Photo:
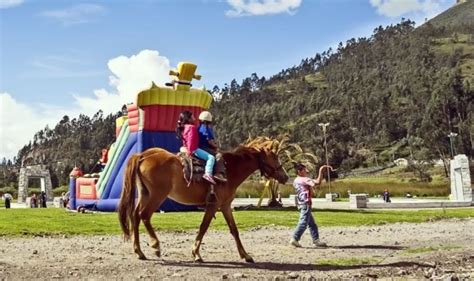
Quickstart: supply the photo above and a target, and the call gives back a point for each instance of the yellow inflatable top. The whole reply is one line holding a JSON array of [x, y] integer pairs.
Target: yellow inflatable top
[[180, 92]]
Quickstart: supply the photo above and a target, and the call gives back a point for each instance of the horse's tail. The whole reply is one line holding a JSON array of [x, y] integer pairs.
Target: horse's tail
[[127, 198]]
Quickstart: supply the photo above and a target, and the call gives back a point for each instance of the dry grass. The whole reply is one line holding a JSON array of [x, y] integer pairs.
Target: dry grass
[[397, 189]]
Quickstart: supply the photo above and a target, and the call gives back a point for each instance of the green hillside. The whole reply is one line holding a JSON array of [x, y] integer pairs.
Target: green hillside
[[395, 94], [461, 44], [457, 15], [453, 35]]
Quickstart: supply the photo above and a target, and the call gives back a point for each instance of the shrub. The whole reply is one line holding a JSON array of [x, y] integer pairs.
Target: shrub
[[9, 189], [60, 190]]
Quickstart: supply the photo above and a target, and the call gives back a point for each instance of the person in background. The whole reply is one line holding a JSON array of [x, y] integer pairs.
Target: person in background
[[34, 201], [279, 199], [65, 198], [103, 159], [8, 198], [386, 196], [303, 186], [43, 199]]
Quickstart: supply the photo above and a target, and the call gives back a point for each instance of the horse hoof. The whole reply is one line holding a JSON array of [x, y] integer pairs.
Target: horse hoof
[[142, 257], [249, 259], [158, 253], [200, 260]]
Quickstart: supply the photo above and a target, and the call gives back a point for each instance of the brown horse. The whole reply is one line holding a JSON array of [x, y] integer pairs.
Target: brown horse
[[158, 174]]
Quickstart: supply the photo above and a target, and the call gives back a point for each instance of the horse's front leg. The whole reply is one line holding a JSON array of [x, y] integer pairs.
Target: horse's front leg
[[229, 218], [206, 221]]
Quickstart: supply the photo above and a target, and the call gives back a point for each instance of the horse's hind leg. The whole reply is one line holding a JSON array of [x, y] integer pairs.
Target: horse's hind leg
[[146, 215], [210, 212], [229, 218], [136, 234]]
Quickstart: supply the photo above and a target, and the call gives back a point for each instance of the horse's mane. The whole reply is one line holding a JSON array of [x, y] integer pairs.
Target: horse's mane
[[252, 146], [263, 143]]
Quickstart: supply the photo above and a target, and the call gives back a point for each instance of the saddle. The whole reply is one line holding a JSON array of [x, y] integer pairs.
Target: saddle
[[193, 167]]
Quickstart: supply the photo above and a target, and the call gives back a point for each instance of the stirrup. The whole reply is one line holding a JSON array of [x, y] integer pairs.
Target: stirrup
[[220, 178]]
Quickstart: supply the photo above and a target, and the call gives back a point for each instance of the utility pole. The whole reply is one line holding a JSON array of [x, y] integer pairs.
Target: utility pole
[[324, 126]]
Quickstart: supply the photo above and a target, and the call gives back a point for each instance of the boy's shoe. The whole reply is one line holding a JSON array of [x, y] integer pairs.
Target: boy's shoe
[[295, 243], [209, 178], [220, 177], [319, 243]]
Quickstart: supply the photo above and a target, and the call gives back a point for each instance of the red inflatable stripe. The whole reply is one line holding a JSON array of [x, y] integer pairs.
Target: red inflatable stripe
[[164, 117], [131, 107], [133, 117]]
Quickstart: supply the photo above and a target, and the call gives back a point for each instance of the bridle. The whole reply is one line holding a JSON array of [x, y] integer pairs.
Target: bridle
[[267, 170]]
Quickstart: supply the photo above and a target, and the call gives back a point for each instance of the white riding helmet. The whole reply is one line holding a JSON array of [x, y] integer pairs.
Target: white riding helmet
[[205, 116]]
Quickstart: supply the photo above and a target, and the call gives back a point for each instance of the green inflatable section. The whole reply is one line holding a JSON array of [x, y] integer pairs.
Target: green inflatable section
[[118, 146]]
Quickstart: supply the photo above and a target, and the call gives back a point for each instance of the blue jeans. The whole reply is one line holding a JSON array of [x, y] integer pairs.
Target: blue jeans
[[306, 220], [209, 158]]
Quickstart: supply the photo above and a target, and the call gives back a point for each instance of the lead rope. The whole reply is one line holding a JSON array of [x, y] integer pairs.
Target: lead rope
[[190, 161], [212, 197]]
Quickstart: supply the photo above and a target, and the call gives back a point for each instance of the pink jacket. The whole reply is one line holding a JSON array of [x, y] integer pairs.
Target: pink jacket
[[190, 138]]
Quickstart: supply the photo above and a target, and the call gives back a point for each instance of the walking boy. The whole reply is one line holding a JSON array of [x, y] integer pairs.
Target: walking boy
[[303, 187]]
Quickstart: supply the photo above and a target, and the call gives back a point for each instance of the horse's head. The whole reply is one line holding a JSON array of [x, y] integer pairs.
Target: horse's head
[[270, 166], [268, 162]]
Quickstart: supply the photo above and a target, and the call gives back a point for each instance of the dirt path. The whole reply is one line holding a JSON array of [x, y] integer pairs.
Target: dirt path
[[435, 249]]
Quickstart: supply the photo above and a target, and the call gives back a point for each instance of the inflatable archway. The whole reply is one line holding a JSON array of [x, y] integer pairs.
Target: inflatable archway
[[150, 122]]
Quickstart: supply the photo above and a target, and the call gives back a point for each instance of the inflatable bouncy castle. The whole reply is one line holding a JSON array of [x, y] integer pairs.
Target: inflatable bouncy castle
[[150, 122]]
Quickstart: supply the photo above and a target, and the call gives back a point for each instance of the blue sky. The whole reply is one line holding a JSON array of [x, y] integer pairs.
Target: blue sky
[[69, 57]]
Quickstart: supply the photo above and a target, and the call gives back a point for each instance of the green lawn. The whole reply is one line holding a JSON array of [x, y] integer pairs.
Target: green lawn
[[15, 222]]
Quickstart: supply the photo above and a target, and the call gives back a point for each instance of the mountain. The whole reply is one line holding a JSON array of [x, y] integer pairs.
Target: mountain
[[460, 14]]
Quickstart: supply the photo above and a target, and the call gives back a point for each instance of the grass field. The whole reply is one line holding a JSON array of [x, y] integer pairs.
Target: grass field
[[17, 222]]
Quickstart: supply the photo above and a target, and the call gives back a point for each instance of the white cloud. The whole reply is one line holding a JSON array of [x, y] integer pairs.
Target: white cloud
[[4, 4], [19, 121], [261, 7], [130, 76], [77, 14], [395, 8]]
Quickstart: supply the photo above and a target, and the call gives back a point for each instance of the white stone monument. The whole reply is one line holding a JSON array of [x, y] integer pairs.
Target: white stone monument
[[34, 171], [460, 179]]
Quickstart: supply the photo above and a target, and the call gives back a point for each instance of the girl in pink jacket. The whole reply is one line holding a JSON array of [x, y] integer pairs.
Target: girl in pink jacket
[[188, 133]]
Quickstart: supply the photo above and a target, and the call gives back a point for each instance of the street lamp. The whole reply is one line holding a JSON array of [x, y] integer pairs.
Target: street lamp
[[324, 126], [451, 136]]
